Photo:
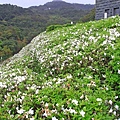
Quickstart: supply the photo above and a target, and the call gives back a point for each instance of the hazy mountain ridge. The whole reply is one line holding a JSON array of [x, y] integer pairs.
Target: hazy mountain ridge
[[61, 4], [67, 73]]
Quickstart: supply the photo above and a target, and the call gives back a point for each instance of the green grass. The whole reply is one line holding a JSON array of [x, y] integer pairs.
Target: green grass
[[69, 73]]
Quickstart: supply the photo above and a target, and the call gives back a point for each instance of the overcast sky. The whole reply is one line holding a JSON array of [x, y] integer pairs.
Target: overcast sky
[[28, 3]]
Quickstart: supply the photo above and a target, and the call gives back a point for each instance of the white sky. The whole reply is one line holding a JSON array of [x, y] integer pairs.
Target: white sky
[[28, 3]]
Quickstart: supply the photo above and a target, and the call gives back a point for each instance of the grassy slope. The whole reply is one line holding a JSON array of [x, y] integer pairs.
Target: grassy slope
[[71, 73]]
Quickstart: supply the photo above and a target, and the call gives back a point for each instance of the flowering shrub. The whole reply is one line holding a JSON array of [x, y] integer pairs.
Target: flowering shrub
[[70, 73]]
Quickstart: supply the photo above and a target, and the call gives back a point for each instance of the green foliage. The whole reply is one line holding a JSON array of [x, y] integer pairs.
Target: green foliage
[[89, 17], [53, 27], [69, 73]]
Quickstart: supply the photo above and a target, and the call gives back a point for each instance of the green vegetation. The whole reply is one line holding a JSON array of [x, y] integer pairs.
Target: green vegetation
[[19, 25], [70, 73], [89, 17], [53, 27]]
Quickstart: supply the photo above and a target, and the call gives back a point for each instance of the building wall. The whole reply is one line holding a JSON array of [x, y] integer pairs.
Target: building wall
[[110, 7]]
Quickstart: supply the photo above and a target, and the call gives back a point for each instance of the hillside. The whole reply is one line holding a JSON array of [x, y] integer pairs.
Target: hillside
[[69, 73], [55, 5], [19, 25], [61, 9], [17, 28]]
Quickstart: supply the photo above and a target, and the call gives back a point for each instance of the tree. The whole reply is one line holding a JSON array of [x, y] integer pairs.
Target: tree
[[89, 17]]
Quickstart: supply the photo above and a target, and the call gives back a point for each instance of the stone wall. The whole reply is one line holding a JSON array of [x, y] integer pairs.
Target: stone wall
[[110, 7]]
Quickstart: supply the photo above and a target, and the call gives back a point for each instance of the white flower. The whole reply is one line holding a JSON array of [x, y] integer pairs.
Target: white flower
[[117, 107], [82, 96], [106, 88], [2, 85], [114, 113], [12, 74], [45, 114], [31, 111], [104, 76], [110, 111], [86, 98], [18, 99], [75, 102], [69, 76], [105, 54], [37, 91], [31, 118], [54, 111], [54, 118], [20, 111], [72, 111], [104, 42], [22, 97], [112, 56], [57, 104], [116, 97], [99, 99], [110, 102], [118, 71], [26, 115], [89, 77], [82, 113], [92, 83], [46, 105]]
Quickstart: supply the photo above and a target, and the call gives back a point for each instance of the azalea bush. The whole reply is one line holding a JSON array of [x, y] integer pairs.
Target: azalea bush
[[53, 27], [70, 73]]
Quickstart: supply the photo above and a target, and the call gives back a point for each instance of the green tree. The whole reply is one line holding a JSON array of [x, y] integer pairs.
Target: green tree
[[89, 17]]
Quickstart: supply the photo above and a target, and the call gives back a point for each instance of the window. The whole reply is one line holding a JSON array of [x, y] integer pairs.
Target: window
[[116, 11]]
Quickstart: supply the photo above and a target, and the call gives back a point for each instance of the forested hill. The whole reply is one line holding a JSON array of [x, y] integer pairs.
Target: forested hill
[[19, 25], [69, 73], [55, 5], [8, 12]]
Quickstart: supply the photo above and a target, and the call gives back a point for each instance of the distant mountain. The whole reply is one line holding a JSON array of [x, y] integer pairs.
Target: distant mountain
[[73, 12], [57, 0], [19, 25], [8, 11], [59, 4]]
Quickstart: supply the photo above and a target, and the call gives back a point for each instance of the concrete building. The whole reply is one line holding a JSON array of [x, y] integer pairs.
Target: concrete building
[[107, 8]]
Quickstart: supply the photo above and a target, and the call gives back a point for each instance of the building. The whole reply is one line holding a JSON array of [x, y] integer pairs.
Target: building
[[107, 8]]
